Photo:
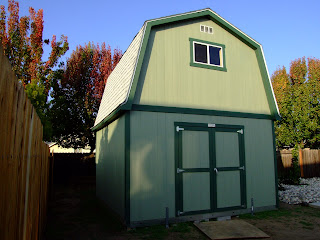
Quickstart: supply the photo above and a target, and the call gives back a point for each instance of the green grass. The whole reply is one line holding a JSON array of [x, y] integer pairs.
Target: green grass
[[268, 214], [154, 232], [306, 224], [181, 227]]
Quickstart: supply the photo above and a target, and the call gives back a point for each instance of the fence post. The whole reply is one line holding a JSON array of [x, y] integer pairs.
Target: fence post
[[301, 162]]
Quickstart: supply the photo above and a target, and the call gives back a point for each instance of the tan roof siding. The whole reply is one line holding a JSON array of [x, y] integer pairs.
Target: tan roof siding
[[119, 81]]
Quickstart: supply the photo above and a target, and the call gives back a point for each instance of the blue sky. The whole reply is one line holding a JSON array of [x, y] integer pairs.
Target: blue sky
[[286, 29]]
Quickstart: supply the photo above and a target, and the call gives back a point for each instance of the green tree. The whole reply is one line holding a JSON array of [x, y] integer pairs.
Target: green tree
[[77, 93], [298, 98], [22, 41]]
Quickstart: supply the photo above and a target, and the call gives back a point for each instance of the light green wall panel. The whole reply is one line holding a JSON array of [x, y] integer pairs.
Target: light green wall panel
[[167, 79], [195, 149], [110, 159], [228, 189], [227, 149], [152, 161], [196, 184]]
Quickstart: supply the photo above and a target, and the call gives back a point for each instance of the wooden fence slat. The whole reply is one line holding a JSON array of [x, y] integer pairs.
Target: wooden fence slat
[[24, 161]]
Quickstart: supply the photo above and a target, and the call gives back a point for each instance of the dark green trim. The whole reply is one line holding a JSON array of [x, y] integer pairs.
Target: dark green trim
[[127, 168], [203, 126], [275, 165], [149, 108], [208, 66], [207, 42], [194, 170], [196, 212], [109, 119], [179, 164], [213, 177], [139, 65], [226, 169], [243, 191], [230, 208], [178, 181], [267, 85], [189, 126], [243, 174]]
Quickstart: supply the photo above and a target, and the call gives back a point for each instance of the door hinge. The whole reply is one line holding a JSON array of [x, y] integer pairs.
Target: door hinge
[[211, 125], [179, 170], [179, 213], [241, 168], [179, 129], [240, 131]]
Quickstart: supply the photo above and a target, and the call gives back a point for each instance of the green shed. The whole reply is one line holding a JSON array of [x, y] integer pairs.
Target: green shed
[[186, 123]]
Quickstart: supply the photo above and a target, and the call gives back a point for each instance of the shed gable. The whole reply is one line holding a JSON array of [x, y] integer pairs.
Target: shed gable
[[122, 87], [169, 78]]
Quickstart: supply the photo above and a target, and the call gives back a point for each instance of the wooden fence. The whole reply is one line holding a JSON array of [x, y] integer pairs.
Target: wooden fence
[[24, 162], [309, 161]]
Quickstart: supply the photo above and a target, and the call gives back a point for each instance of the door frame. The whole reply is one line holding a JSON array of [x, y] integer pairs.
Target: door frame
[[211, 128]]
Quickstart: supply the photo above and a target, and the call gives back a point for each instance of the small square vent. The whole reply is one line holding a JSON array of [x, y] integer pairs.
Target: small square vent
[[206, 29]]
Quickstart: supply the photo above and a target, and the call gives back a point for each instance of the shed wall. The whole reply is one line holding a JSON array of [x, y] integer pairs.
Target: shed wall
[[110, 165], [152, 161], [167, 79]]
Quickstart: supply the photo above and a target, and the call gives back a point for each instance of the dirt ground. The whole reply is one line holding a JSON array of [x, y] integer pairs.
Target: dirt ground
[[75, 213]]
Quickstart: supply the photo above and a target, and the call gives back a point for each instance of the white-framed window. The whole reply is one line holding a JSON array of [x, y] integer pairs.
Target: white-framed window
[[207, 54]]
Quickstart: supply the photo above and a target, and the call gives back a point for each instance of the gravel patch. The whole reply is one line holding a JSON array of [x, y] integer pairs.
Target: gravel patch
[[307, 192]]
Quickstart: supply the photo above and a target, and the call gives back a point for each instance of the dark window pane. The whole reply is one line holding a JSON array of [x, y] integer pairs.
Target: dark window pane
[[200, 53], [214, 55]]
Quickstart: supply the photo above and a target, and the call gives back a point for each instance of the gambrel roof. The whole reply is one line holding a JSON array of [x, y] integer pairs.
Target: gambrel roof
[[122, 82], [119, 82]]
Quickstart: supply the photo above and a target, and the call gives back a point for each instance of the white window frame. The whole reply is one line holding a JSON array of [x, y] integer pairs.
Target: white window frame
[[208, 54]]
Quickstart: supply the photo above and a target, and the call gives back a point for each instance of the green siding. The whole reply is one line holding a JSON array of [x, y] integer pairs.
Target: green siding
[[228, 189], [152, 160], [110, 165], [195, 145], [167, 79], [196, 184], [227, 147]]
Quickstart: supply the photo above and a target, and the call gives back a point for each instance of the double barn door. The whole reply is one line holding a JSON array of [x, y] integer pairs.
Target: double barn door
[[210, 168]]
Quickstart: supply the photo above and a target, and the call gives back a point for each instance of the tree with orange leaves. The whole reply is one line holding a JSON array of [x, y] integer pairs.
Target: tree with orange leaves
[[22, 42], [77, 93]]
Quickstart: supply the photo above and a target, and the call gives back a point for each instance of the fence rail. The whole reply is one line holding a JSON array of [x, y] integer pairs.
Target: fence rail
[[309, 161], [24, 162]]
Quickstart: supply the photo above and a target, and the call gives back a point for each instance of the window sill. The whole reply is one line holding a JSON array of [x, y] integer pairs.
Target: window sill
[[224, 69]]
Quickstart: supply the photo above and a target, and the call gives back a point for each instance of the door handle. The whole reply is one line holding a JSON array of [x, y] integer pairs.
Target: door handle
[[179, 170], [216, 170]]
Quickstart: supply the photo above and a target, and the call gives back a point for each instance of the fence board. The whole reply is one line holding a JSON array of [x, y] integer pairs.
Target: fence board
[[309, 162], [24, 162]]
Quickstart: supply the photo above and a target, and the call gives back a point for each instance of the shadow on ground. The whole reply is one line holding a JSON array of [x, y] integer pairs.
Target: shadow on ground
[[74, 212]]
